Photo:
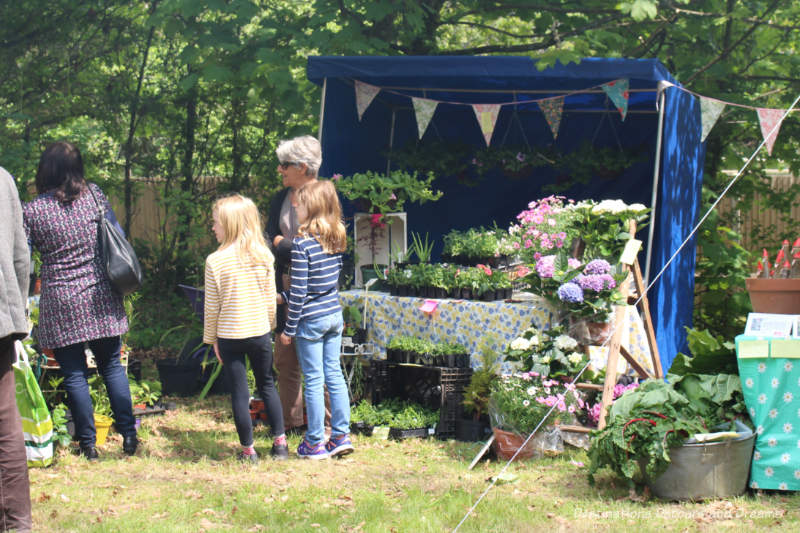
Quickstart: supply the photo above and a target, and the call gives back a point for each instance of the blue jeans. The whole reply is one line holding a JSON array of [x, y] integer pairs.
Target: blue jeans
[[319, 346], [73, 367]]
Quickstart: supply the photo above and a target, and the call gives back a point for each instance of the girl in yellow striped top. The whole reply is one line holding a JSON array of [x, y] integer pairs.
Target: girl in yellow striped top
[[240, 315]]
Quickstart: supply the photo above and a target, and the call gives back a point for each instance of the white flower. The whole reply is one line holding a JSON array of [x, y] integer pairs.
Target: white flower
[[788, 397], [526, 403], [545, 359], [520, 343], [762, 398], [787, 428], [797, 474], [787, 366], [565, 342], [762, 367], [753, 411], [775, 383], [785, 458], [749, 383], [783, 486], [756, 455], [753, 485], [610, 206], [531, 391], [575, 358], [760, 430], [769, 471], [637, 207], [772, 442], [534, 340], [773, 413]]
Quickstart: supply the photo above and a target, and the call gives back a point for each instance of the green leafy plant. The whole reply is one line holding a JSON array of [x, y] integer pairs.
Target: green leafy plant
[[144, 392], [549, 353], [479, 389], [387, 193], [366, 413], [61, 436], [422, 249], [99, 394]]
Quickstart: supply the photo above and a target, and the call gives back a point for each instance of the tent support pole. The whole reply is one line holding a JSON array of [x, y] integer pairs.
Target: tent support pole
[[654, 197], [322, 110], [391, 142]]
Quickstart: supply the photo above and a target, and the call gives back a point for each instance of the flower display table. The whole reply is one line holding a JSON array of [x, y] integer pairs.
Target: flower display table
[[472, 323]]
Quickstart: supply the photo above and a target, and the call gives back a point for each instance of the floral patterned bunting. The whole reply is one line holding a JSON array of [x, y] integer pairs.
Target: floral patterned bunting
[[365, 93], [552, 109], [487, 118], [769, 119], [710, 110], [424, 109], [617, 91]]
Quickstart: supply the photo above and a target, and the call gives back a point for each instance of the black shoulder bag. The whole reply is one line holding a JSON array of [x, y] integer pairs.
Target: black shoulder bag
[[117, 255]]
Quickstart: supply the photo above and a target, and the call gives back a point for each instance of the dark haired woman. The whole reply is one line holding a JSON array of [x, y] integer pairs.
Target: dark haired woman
[[77, 305]]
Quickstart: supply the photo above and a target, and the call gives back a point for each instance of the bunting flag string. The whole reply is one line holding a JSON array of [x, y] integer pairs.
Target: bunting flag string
[[365, 93], [769, 120], [617, 91], [552, 109], [424, 110], [487, 117], [710, 110]]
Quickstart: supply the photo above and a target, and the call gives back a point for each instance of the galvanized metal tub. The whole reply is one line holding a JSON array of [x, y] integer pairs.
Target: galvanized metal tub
[[708, 470]]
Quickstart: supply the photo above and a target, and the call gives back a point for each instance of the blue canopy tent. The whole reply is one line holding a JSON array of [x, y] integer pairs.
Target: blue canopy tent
[[660, 120]]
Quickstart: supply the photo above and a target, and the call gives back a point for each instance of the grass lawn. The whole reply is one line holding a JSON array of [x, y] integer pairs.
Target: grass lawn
[[186, 478]]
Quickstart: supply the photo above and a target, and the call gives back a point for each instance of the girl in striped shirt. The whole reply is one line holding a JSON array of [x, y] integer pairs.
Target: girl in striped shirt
[[240, 305], [314, 318]]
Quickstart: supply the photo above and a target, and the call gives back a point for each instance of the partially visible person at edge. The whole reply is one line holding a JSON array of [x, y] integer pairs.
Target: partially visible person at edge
[[299, 162], [77, 304], [240, 316], [15, 497], [314, 319]]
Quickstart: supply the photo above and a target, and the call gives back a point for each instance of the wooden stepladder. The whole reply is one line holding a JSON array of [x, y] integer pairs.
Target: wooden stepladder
[[615, 348]]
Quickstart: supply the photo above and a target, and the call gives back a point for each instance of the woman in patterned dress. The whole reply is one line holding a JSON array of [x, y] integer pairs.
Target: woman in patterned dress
[[77, 304]]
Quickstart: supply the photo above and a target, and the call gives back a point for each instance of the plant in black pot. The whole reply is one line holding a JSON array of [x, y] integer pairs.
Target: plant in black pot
[[476, 398]]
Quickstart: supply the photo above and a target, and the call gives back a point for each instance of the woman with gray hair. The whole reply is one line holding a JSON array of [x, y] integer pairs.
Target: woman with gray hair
[[299, 160]]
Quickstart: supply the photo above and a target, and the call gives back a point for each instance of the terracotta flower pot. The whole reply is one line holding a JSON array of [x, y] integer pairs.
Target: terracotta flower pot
[[776, 295]]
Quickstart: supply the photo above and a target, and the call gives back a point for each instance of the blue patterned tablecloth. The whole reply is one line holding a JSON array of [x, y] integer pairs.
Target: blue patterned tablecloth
[[475, 324], [770, 374]]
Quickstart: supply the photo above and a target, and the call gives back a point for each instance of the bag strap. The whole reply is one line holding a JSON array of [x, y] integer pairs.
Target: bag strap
[[21, 352], [101, 210]]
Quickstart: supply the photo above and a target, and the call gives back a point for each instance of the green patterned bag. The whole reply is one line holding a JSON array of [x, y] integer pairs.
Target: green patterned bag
[[37, 426]]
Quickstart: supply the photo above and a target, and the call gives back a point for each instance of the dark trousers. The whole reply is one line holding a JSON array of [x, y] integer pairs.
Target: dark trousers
[[15, 498], [72, 360], [259, 352]]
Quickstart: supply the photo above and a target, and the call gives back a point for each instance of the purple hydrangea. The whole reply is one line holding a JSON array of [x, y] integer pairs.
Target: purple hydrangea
[[608, 281], [545, 266], [591, 282], [570, 292], [597, 266], [572, 262]]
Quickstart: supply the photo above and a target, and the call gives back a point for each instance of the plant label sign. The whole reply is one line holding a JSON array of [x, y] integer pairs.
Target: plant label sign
[[769, 325]]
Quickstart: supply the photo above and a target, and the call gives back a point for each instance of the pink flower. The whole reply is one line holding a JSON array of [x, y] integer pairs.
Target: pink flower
[[393, 197], [528, 243], [516, 245], [375, 220], [336, 177]]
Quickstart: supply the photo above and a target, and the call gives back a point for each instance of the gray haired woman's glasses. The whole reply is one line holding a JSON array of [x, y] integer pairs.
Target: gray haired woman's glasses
[[286, 164]]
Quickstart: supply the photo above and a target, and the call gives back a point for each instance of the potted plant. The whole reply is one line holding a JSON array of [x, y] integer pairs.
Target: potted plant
[[364, 417], [412, 421], [551, 353], [519, 403], [353, 326], [476, 400], [775, 287], [377, 193]]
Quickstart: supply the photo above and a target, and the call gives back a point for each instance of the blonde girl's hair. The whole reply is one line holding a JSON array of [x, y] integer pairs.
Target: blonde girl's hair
[[323, 215], [238, 216]]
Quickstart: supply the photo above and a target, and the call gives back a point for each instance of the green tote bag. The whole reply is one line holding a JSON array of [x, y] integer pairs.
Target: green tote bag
[[37, 426]]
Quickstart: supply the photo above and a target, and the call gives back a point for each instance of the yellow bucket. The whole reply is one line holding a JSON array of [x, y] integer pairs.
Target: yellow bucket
[[102, 424]]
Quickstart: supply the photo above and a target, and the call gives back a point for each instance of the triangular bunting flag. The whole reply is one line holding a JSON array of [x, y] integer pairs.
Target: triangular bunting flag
[[487, 118], [552, 109], [618, 92], [768, 119], [365, 93], [710, 110], [424, 110]]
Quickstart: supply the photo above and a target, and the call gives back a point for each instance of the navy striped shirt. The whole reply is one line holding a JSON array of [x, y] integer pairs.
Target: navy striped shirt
[[315, 275]]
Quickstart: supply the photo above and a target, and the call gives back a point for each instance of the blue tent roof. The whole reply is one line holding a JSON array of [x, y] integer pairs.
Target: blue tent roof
[[350, 145]]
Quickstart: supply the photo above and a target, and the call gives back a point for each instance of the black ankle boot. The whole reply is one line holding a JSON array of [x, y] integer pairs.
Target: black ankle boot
[[129, 444], [89, 452]]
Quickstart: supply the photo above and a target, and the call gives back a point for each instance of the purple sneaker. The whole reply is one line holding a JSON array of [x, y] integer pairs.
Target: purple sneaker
[[307, 451], [338, 446]]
